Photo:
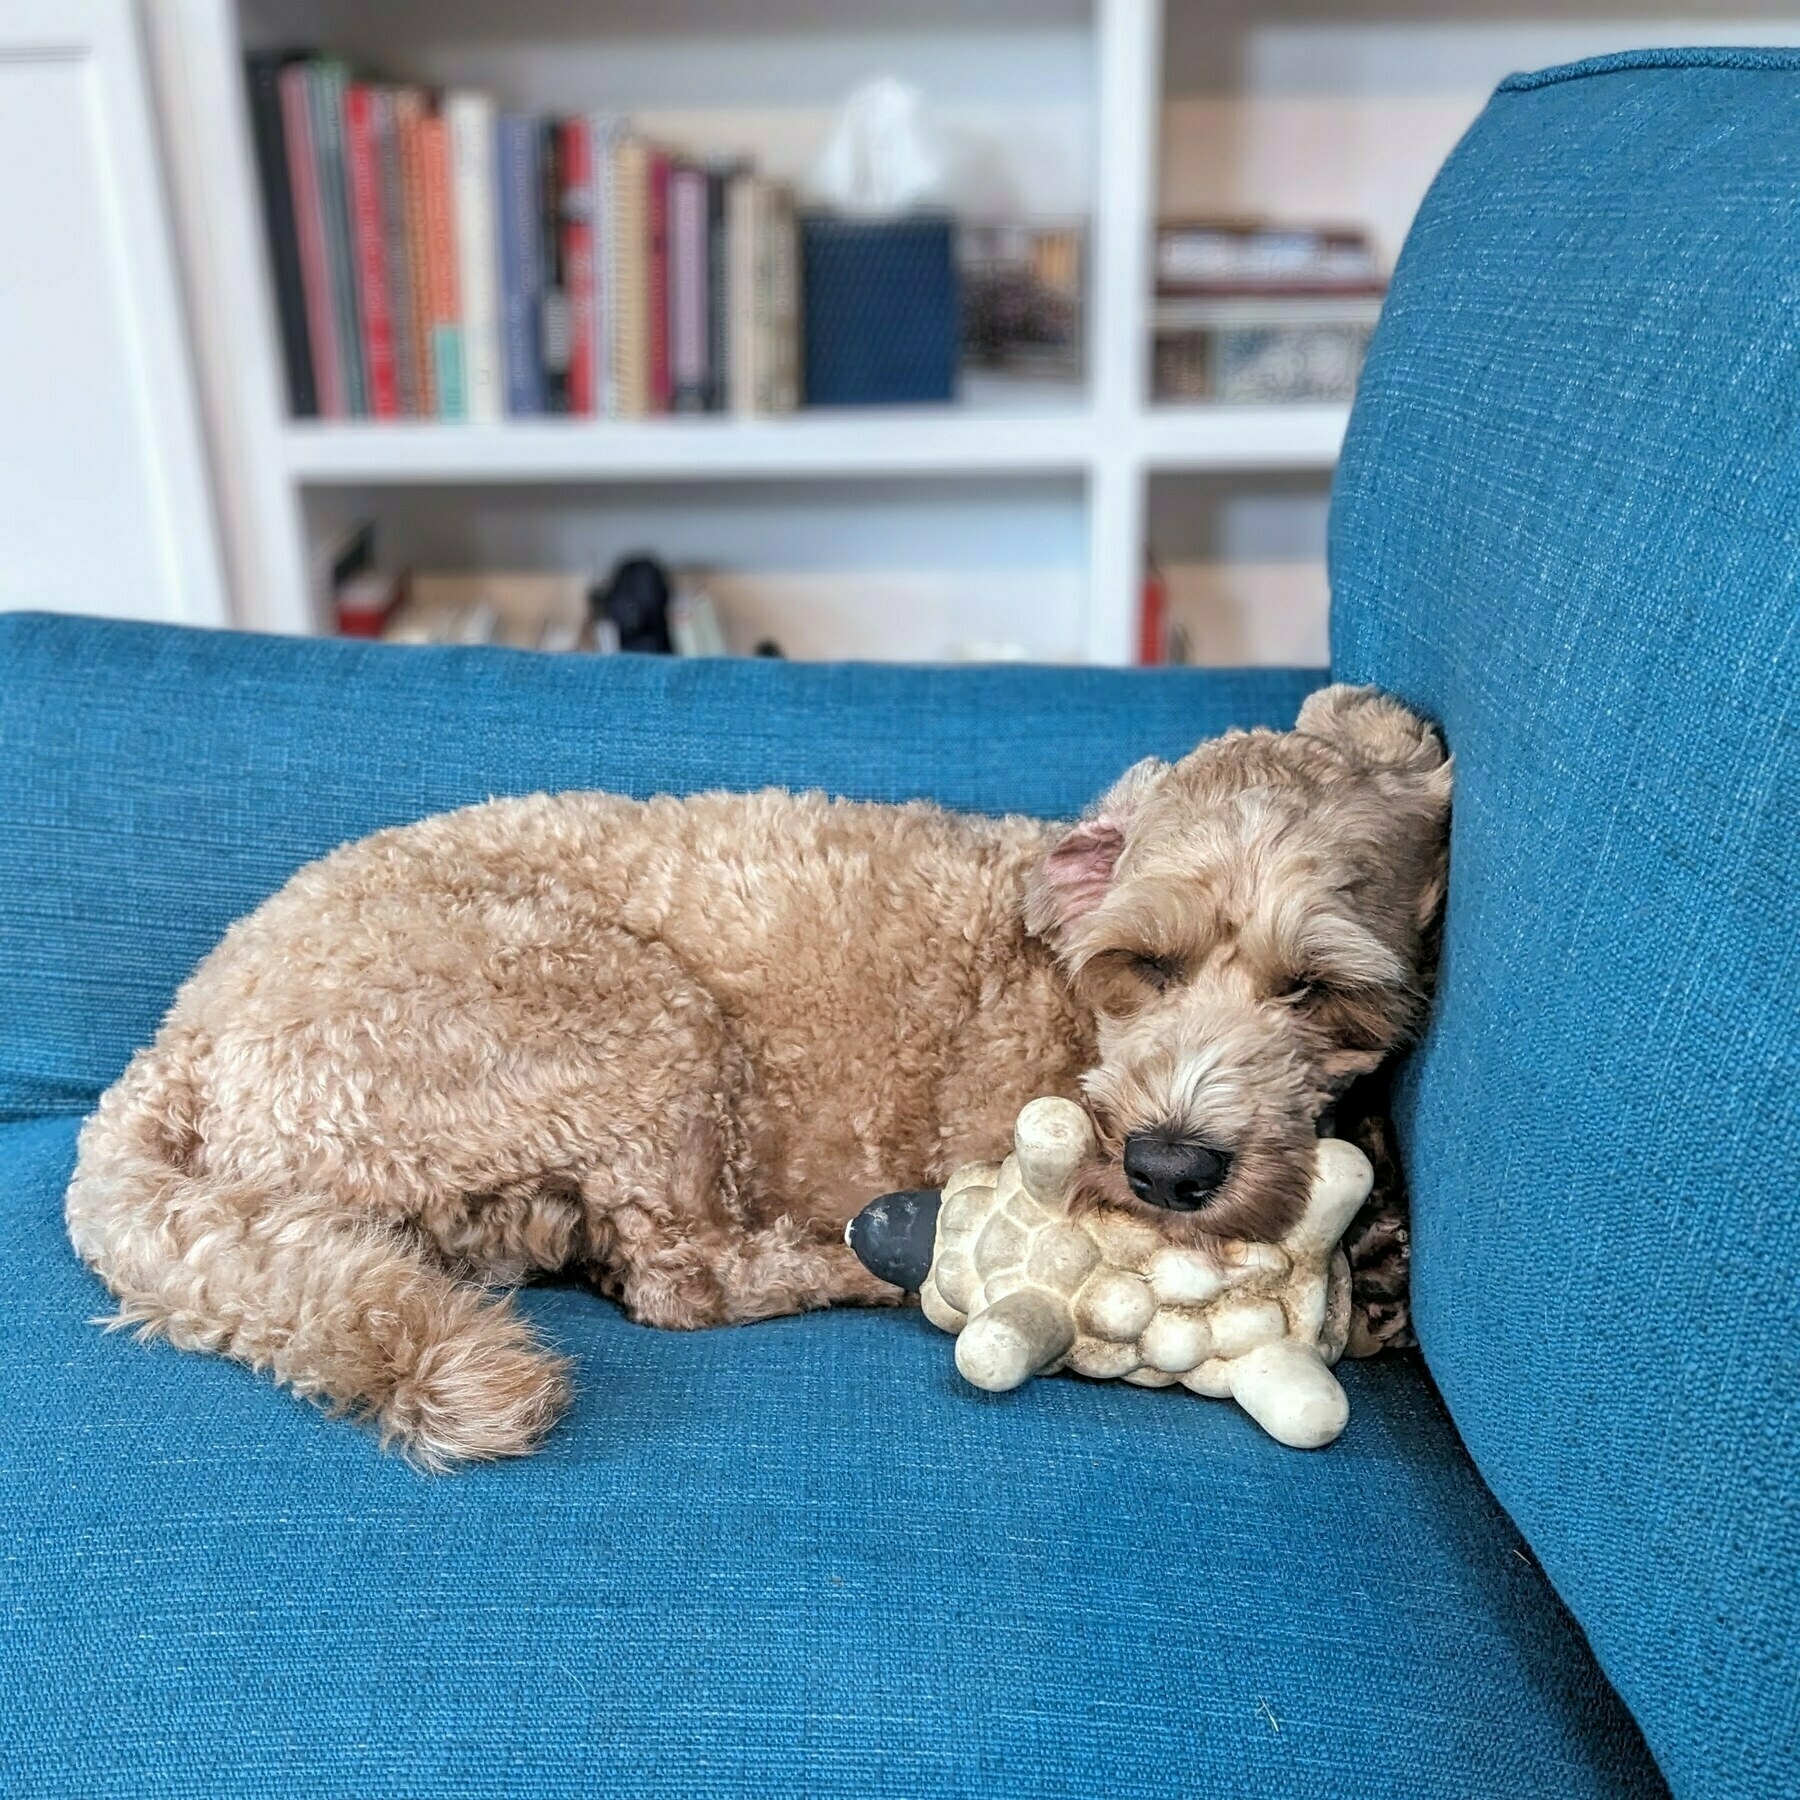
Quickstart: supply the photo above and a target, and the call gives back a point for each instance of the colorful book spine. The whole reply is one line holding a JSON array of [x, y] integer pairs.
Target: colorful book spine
[[575, 164], [267, 128], [442, 310], [295, 84], [656, 255], [376, 318], [628, 279], [412, 182], [390, 109], [603, 134], [471, 121], [718, 349], [325, 92], [779, 321], [521, 280], [553, 303], [687, 288], [743, 207]]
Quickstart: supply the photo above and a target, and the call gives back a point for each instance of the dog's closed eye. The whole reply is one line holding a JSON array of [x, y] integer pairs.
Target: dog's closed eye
[[1158, 972]]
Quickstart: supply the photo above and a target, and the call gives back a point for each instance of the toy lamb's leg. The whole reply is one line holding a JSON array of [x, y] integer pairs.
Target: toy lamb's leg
[[1290, 1393], [342, 1310], [1013, 1340]]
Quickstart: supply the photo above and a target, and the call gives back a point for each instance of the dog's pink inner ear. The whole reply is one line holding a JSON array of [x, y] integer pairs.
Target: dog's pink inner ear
[[1078, 869]]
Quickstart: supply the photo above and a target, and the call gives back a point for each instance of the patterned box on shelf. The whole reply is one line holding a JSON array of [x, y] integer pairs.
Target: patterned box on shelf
[[881, 313]]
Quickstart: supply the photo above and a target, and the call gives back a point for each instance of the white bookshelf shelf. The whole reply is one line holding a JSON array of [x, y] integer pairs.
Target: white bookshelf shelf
[[1038, 502], [1213, 438], [815, 446]]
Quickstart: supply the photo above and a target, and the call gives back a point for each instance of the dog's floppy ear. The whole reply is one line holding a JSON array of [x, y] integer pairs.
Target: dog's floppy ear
[[1394, 742], [1372, 727], [1378, 732], [1076, 869]]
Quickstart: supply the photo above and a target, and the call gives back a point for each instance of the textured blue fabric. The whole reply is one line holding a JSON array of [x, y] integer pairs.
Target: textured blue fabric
[[791, 1558], [800, 1557], [164, 782], [1567, 523]]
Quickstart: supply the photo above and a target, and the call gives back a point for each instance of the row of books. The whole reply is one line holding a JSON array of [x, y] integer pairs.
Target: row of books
[[1250, 311], [435, 258]]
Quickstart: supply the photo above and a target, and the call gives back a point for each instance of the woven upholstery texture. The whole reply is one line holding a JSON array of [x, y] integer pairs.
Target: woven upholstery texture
[[794, 1558], [1567, 524], [800, 1557]]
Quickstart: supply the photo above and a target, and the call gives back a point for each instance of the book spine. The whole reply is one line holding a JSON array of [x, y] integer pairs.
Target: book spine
[[717, 290], [440, 268], [309, 228], [412, 183], [520, 285], [629, 368], [263, 72], [371, 251], [762, 299], [687, 289], [471, 121], [783, 321], [389, 111], [741, 232], [602, 135], [657, 272], [576, 166], [325, 86], [553, 304]]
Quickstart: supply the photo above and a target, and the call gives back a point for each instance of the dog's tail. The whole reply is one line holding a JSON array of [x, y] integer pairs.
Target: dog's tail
[[343, 1310]]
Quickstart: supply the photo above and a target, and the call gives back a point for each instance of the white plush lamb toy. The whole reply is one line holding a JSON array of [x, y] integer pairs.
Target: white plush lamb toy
[[1030, 1290]]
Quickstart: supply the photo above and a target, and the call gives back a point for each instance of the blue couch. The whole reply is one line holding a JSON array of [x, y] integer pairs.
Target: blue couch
[[1554, 1555]]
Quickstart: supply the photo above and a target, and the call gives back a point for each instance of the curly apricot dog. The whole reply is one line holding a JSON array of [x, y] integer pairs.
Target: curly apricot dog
[[673, 1046]]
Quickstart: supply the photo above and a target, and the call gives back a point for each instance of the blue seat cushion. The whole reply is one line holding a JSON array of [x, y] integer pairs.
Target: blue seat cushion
[[1565, 525], [790, 1558]]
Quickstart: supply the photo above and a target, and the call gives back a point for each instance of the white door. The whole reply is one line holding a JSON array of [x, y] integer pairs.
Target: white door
[[105, 505]]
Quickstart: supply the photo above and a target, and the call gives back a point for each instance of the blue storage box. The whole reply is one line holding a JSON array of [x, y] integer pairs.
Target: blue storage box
[[882, 315]]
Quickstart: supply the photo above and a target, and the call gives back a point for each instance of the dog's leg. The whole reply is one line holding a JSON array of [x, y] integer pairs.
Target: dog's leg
[[342, 1309]]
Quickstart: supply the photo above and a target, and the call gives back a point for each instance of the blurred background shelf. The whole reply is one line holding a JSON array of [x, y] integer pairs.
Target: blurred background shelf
[[1022, 519]]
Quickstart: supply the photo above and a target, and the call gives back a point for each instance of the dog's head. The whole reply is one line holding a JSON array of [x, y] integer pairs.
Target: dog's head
[[1254, 927]]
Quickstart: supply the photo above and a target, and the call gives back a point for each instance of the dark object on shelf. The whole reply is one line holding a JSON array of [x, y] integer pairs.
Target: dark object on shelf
[[768, 648], [1022, 289], [895, 1237], [636, 601], [880, 311]]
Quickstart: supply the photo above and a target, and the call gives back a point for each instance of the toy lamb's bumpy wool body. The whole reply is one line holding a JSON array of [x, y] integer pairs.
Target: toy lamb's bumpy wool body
[[1029, 1290]]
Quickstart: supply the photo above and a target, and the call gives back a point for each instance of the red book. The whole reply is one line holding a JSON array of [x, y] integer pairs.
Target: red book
[[369, 229], [657, 242], [309, 228], [576, 165]]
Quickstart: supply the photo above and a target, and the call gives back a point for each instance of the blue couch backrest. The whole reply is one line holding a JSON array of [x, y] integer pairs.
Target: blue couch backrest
[[1567, 524], [160, 783]]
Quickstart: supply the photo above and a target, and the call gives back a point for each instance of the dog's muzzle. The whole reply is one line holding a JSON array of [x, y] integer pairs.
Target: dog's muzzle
[[1174, 1173]]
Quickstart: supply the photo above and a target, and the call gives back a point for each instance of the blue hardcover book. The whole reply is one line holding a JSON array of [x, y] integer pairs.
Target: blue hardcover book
[[518, 153]]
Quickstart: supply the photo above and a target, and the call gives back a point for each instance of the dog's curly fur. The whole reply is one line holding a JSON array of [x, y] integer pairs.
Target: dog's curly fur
[[672, 1046]]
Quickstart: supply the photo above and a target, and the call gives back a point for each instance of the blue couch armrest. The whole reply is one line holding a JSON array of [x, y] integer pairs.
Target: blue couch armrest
[[1565, 526]]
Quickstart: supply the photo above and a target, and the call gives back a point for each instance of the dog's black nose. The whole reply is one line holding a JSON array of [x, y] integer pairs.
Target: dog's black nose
[[1171, 1172]]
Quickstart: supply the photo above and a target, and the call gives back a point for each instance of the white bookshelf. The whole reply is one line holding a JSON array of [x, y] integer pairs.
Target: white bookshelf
[[1029, 508]]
